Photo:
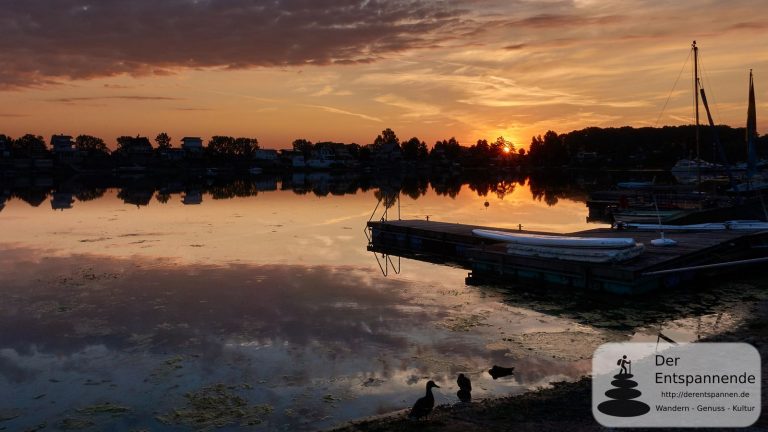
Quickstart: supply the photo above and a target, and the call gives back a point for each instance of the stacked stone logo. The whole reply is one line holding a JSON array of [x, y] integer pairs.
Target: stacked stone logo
[[622, 403]]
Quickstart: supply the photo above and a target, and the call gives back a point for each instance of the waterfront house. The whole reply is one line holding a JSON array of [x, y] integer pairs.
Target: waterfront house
[[322, 157], [266, 158], [5, 153], [192, 145], [63, 149], [61, 144], [172, 154], [266, 155], [293, 158]]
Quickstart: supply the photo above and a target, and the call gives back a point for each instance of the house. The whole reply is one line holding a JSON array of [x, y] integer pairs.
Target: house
[[5, 149], [266, 155], [293, 158], [63, 149], [192, 144], [139, 146], [62, 144], [172, 154]]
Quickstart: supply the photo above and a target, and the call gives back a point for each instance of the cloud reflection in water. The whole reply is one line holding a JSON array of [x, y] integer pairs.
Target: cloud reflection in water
[[120, 327]]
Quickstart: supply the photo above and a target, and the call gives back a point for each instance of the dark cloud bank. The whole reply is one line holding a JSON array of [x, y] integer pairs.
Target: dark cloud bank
[[45, 40]]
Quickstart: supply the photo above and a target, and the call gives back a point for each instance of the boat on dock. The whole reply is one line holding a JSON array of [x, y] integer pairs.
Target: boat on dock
[[738, 225], [489, 260], [552, 240], [569, 248], [647, 216]]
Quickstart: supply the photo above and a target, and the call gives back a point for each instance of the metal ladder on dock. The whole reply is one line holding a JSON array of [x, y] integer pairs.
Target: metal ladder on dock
[[388, 201]]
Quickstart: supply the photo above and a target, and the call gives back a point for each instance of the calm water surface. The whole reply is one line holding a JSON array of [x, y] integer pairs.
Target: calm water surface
[[276, 298]]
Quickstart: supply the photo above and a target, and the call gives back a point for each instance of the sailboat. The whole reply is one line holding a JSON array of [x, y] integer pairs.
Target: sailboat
[[686, 170], [754, 182]]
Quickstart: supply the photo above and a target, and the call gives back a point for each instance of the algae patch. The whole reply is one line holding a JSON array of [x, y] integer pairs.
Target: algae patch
[[214, 407], [9, 415], [465, 323], [105, 408], [75, 424]]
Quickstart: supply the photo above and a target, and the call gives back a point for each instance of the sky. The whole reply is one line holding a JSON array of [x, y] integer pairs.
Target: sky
[[344, 70]]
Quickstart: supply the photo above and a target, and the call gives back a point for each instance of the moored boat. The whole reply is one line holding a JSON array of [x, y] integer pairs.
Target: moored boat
[[743, 225], [555, 240], [581, 254], [647, 216]]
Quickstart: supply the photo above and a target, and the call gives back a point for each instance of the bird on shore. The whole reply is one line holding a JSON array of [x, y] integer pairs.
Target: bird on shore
[[464, 383], [499, 371], [424, 405], [465, 388]]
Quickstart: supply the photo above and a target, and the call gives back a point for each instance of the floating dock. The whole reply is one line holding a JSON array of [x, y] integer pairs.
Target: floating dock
[[696, 254]]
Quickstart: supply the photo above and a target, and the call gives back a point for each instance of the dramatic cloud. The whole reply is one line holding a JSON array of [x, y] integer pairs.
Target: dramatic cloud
[[45, 41]]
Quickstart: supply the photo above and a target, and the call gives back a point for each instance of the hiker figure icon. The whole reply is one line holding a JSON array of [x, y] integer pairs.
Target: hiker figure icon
[[623, 362]]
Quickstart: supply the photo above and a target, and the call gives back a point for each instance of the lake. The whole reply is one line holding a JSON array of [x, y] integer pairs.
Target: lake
[[139, 305]]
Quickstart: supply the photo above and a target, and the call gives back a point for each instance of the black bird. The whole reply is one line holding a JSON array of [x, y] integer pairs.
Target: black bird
[[465, 388], [498, 371], [424, 405]]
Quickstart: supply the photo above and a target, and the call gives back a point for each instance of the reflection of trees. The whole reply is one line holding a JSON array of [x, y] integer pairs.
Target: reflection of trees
[[448, 185], [33, 197], [503, 188], [235, 188], [135, 196], [388, 197], [551, 187], [89, 194], [415, 187], [548, 187], [163, 197]]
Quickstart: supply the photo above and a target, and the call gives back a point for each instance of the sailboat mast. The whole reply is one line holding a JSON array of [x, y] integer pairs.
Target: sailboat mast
[[751, 129], [696, 103]]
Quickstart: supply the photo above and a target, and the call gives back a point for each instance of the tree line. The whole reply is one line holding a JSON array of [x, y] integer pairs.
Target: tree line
[[614, 147]]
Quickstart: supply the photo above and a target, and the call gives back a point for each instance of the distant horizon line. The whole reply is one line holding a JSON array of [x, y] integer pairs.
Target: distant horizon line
[[526, 144]]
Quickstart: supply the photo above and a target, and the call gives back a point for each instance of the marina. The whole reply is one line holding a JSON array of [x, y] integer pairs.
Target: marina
[[657, 267]]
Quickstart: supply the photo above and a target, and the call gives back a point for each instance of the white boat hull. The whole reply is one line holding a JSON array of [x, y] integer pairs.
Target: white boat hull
[[554, 240], [744, 225], [593, 255]]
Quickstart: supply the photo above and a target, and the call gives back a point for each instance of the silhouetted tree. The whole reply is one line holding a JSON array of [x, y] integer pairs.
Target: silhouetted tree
[[163, 197], [227, 147], [387, 136], [244, 147], [163, 141], [449, 149], [500, 144], [411, 149], [91, 145], [303, 145], [29, 145]]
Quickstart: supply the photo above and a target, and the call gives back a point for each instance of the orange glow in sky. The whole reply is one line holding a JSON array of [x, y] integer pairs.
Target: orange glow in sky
[[345, 70]]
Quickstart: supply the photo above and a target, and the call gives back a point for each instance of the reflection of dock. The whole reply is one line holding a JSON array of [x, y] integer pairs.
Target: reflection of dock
[[657, 267]]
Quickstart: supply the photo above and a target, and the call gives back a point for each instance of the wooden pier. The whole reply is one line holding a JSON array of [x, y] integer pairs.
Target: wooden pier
[[696, 254]]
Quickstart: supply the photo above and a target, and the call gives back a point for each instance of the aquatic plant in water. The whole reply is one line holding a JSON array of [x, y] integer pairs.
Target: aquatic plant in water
[[214, 407]]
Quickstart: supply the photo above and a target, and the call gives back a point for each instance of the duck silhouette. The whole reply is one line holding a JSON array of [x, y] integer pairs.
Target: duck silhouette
[[499, 371], [465, 388], [424, 405]]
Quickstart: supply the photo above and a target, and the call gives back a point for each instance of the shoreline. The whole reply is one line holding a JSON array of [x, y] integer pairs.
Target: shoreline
[[571, 401]]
